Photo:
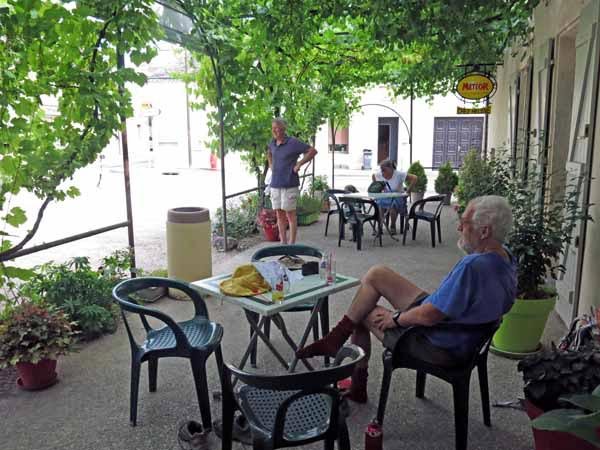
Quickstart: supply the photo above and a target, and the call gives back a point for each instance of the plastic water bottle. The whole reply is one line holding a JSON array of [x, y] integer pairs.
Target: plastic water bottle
[[374, 436], [323, 267], [331, 267]]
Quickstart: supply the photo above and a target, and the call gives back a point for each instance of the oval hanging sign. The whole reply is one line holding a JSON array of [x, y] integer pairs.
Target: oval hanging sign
[[475, 86]]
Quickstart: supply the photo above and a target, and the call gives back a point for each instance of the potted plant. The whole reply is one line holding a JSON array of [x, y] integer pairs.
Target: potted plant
[[446, 181], [80, 291], [318, 188], [418, 190], [308, 209], [541, 233], [32, 336], [267, 221], [576, 427], [479, 177], [557, 382]]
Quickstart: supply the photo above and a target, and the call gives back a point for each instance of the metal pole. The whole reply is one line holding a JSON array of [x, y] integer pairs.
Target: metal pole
[[187, 112], [485, 135], [125, 148], [76, 237], [222, 150], [332, 154], [314, 142], [410, 133]]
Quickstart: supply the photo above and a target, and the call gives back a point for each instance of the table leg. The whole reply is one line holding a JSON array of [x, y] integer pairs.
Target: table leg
[[253, 341], [313, 316], [279, 323]]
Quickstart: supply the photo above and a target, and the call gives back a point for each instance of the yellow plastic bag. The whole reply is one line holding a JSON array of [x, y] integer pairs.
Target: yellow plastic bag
[[245, 281]]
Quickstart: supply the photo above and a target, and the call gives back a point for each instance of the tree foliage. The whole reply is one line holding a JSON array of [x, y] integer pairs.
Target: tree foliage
[[62, 98], [306, 61]]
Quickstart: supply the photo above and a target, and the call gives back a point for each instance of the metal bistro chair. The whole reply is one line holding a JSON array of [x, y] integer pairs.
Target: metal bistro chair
[[290, 410], [459, 377], [357, 212], [418, 212], [332, 195], [290, 250], [194, 339]]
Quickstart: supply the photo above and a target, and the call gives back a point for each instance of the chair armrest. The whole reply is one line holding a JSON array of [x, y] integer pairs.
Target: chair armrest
[[143, 311], [445, 325]]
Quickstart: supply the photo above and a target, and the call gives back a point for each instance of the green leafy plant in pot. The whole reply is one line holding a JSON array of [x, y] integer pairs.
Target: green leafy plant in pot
[[80, 291], [308, 209], [420, 186], [581, 421], [479, 177], [446, 181], [541, 233], [562, 398], [32, 336], [318, 187]]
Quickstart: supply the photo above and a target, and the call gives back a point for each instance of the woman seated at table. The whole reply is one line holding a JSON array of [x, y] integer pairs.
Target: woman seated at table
[[394, 182]]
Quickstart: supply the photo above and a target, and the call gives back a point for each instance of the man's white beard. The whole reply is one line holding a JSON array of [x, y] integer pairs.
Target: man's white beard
[[466, 248]]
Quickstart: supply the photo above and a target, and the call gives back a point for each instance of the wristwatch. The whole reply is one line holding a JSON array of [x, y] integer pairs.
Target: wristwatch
[[395, 317]]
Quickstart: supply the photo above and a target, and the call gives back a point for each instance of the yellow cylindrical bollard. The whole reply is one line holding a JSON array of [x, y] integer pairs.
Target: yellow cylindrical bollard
[[189, 256]]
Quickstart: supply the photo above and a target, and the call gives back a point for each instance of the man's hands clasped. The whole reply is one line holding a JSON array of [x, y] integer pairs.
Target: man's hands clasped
[[383, 319]]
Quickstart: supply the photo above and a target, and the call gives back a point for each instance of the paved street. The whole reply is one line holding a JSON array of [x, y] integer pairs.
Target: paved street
[[102, 203]]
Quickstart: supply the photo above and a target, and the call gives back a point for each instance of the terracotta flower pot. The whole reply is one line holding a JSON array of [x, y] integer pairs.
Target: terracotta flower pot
[[271, 232], [213, 161], [37, 376], [554, 440]]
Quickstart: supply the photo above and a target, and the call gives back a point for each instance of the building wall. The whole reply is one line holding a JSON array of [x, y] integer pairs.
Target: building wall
[[363, 130], [556, 20]]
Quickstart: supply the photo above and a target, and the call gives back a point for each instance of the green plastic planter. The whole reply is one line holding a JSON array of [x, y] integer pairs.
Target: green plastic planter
[[307, 219], [522, 327]]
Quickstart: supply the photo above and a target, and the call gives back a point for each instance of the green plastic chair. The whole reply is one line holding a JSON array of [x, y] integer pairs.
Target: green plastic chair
[[290, 410], [194, 339], [291, 250], [458, 377]]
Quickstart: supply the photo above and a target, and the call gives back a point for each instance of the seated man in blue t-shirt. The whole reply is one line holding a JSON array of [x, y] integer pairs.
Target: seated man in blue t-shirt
[[479, 289]]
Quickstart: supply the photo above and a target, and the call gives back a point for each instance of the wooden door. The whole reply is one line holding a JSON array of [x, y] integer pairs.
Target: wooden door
[[453, 137], [383, 143], [585, 96]]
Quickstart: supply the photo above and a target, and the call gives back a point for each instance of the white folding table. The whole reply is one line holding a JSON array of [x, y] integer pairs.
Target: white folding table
[[310, 288]]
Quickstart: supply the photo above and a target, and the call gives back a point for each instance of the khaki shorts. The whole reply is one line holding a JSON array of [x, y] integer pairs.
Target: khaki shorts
[[285, 198]]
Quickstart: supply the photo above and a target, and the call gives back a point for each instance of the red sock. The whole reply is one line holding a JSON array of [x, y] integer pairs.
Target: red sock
[[330, 344]]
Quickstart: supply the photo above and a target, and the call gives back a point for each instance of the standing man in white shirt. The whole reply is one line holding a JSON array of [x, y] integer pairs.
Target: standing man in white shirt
[[394, 181]]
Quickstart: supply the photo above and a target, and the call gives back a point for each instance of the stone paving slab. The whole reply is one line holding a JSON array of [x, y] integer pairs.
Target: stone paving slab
[[88, 408]]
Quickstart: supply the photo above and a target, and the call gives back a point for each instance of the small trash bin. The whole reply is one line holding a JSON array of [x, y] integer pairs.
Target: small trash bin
[[189, 256], [367, 155]]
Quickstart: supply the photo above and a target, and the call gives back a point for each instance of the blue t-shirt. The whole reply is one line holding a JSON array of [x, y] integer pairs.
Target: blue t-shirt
[[284, 158], [480, 288]]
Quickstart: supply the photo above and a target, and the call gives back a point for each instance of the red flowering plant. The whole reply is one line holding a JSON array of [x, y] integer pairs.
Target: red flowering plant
[[31, 332], [267, 217]]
